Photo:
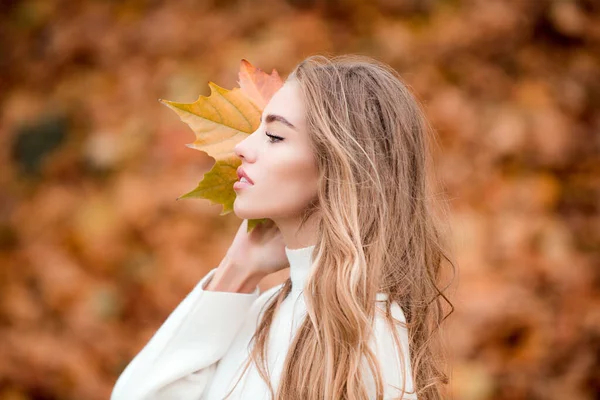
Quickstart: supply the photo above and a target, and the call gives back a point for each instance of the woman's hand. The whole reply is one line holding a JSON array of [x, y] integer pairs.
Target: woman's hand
[[260, 252]]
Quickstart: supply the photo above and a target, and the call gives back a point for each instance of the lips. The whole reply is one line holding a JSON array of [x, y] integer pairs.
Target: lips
[[242, 174]]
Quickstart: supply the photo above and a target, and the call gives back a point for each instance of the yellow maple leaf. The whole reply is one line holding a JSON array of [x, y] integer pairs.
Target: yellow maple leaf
[[220, 121]]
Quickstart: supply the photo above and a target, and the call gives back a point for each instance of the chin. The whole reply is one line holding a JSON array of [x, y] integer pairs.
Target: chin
[[246, 213]]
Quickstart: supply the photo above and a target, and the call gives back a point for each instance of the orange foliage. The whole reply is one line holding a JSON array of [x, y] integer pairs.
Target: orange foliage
[[95, 251]]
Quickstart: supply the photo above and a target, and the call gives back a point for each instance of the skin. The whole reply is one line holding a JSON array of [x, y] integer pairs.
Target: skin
[[285, 176], [284, 172]]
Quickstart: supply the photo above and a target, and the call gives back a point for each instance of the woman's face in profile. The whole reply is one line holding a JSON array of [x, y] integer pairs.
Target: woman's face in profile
[[281, 166]]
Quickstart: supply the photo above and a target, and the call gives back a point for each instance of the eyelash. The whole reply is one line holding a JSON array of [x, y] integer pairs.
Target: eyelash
[[271, 137]]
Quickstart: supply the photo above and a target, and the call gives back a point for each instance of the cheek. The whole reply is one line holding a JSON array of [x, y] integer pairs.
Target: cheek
[[299, 172], [294, 178], [290, 197], [285, 189], [297, 185]]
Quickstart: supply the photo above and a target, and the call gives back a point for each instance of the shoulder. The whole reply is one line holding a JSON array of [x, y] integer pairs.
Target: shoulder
[[394, 358], [265, 297], [270, 293], [383, 329]]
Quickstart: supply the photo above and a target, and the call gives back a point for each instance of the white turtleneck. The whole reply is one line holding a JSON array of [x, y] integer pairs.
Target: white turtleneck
[[200, 350]]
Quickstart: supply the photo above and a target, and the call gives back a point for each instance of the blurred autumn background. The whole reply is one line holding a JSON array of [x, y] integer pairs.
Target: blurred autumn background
[[95, 251]]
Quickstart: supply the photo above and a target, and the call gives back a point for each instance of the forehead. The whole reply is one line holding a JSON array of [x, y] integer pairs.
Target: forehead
[[287, 102]]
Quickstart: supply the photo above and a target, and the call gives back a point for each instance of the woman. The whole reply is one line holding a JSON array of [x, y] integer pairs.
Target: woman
[[338, 166]]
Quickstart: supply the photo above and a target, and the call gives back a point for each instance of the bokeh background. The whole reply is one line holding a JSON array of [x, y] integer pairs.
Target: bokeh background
[[95, 251]]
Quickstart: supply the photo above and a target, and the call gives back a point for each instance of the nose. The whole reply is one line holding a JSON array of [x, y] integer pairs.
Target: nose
[[240, 149], [245, 149]]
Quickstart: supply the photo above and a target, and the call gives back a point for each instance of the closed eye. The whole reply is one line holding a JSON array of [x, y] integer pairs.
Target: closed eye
[[273, 138]]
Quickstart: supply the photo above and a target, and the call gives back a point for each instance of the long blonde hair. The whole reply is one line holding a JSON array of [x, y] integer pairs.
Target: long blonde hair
[[377, 232]]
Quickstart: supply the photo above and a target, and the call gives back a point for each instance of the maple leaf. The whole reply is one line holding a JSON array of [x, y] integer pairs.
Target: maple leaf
[[220, 121]]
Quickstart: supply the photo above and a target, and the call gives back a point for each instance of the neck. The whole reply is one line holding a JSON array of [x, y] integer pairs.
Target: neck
[[296, 236]]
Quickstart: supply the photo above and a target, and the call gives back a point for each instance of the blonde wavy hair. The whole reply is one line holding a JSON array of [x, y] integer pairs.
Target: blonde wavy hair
[[377, 232]]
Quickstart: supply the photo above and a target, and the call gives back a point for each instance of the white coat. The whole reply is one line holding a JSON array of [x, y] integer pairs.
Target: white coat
[[199, 350]]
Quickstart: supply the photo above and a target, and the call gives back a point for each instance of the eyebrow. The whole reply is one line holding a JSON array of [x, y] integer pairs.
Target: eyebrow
[[278, 118]]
